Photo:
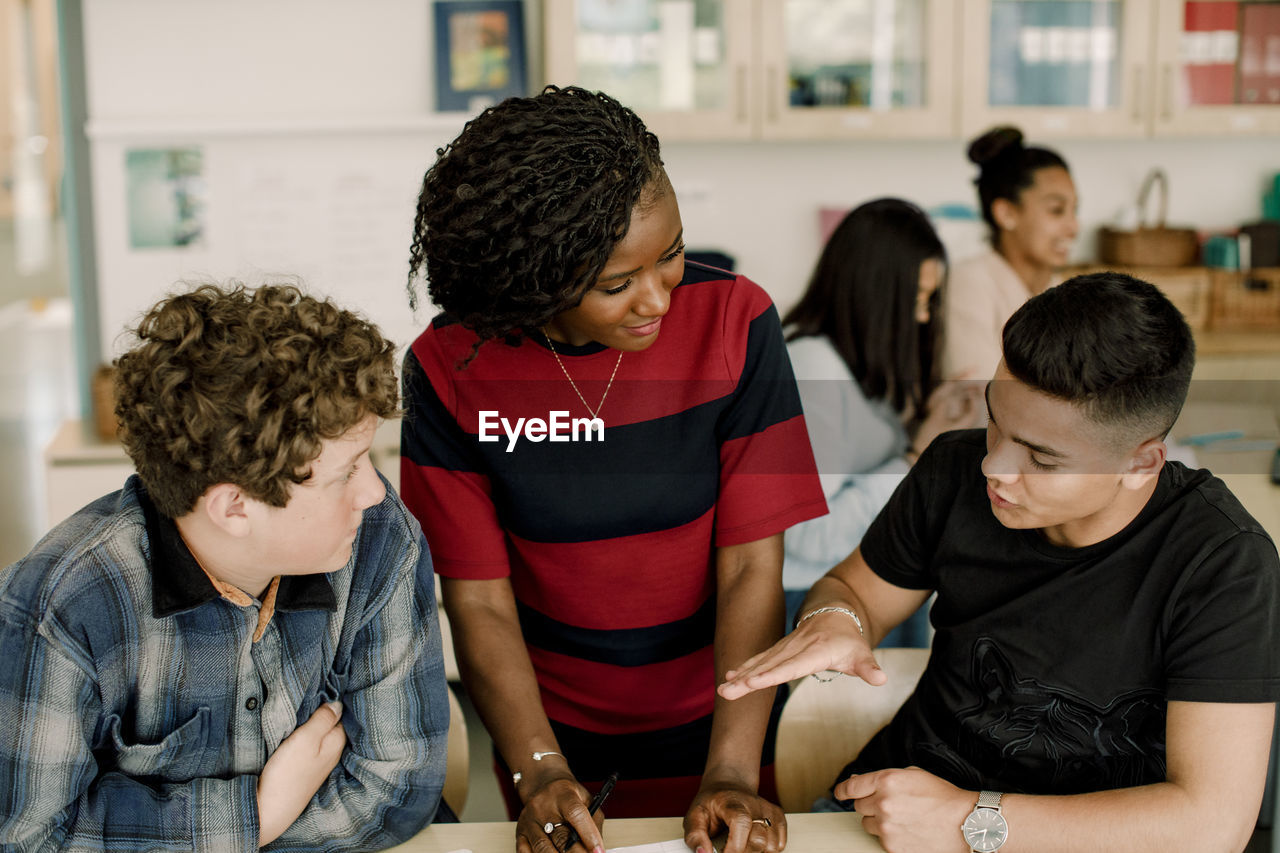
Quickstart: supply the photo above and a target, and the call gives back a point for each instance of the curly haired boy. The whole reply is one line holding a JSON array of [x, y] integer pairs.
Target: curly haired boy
[[239, 647]]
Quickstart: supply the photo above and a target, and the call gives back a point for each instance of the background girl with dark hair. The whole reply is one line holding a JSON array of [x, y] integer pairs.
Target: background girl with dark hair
[[1029, 201], [598, 590], [862, 340]]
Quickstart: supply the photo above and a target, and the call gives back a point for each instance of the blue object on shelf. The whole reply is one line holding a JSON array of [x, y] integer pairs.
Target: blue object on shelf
[[1271, 200], [1243, 446], [954, 210], [1222, 251], [1210, 437]]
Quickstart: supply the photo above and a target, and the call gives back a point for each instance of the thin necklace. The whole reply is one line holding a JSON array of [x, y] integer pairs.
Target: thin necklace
[[595, 413]]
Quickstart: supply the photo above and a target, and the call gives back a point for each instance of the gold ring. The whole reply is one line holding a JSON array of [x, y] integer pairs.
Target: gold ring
[[550, 827], [763, 820]]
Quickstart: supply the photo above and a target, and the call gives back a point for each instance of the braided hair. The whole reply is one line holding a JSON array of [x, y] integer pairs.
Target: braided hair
[[519, 215]]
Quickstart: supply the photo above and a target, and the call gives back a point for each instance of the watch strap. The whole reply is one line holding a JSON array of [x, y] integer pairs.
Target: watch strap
[[986, 800]]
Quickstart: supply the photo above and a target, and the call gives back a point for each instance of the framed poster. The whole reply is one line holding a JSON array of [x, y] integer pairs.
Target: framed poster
[[165, 197], [480, 55]]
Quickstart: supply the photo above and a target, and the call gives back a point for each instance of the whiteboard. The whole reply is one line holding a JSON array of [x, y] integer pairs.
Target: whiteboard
[[332, 208], [315, 122]]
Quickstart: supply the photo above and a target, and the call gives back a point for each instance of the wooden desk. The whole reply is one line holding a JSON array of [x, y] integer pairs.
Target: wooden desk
[[79, 467], [806, 833], [1257, 342], [1246, 473]]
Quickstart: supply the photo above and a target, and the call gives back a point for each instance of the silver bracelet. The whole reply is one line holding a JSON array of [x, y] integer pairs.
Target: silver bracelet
[[847, 612], [537, 756]]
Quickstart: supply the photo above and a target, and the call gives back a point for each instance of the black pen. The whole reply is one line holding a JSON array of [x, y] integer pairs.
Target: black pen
[[596, 802]]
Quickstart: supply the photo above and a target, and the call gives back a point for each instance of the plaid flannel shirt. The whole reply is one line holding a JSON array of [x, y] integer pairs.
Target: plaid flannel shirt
[[137, 708]]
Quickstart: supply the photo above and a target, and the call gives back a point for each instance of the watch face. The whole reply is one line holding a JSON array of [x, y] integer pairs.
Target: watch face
[[985, 830]]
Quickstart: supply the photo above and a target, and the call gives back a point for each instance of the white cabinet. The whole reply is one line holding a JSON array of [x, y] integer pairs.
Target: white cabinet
[[80, 468], [1057, 67], [832, 69], [775, 69], [1217, 68], [857, 68], [685, 66]]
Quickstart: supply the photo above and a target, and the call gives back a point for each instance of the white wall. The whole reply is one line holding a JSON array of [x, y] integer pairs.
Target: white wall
[[759, 201], [256, 58], [315, 119]]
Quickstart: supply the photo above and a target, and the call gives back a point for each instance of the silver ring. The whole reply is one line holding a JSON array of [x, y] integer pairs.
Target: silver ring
[[763, 820], [550, 827]]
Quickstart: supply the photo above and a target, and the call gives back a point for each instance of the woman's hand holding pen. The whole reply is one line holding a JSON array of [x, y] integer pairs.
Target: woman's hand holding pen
[[825, 642], [555, 798], [754, 824]]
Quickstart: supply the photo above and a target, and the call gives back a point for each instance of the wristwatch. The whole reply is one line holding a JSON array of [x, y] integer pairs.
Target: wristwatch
[[985, 829]]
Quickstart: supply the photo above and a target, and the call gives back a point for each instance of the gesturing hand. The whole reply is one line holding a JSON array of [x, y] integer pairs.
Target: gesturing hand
[[558, 801], [828, 641], [755, 825], [297, 769]]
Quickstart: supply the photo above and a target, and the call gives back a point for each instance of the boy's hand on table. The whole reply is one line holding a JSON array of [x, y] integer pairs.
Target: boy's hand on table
[[909, 809], [297, 769]]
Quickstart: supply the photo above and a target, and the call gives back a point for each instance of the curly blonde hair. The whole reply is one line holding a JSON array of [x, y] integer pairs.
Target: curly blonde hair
[[237, 385]]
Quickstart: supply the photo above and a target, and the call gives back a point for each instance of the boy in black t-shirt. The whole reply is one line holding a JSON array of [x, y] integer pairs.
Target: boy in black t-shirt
[[1106, 620]]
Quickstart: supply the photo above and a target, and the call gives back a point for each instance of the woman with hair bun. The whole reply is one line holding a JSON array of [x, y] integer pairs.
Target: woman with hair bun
[[600, 578], [1029, 202]]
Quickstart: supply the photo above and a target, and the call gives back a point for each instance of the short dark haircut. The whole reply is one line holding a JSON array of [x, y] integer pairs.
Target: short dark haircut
[[1007, 167], [518, 216], [1110, 343], [862, 298], [231, 385]]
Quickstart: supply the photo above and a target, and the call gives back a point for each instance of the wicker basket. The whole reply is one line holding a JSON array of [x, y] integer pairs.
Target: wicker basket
[[1150, 245], [102, 392], [1246, 300], [1190, 289]]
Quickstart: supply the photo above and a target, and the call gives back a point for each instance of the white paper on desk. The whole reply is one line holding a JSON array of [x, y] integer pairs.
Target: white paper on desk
[[677, 846]]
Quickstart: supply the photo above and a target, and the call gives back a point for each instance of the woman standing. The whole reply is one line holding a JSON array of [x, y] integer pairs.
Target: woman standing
[[1029, 202], [604, 444], [862, 340]]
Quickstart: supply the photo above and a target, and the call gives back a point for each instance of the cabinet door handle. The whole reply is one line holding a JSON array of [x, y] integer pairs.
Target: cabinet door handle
[[1137, 96], [742, 92], [1168, 91], [771, 94]]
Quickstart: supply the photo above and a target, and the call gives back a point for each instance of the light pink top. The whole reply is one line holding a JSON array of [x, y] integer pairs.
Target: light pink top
[[982, 293]]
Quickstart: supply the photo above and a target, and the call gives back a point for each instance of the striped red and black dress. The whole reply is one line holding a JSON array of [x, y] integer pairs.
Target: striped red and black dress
[[609, 543]]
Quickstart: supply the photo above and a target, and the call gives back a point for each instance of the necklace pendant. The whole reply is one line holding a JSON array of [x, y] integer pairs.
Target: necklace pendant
[[595, 413]]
